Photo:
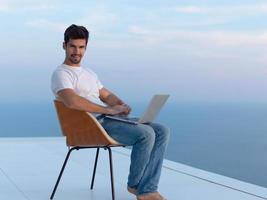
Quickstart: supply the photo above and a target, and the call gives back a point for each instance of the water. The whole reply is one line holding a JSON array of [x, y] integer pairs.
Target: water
[[228, 139]]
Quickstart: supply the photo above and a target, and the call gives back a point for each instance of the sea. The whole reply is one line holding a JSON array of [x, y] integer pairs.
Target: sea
[[225, 138]]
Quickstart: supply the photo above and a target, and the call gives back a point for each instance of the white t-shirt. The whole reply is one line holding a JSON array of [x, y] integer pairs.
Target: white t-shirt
[[84, 82]]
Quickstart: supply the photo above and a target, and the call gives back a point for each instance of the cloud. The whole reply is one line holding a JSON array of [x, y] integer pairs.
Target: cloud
[[236, 10], [191, 9], [95, 19], [38, 7], [98, 18], [25, 6], [4, 7], [224, 38], [48, 25], [138, 30], [220, 38]]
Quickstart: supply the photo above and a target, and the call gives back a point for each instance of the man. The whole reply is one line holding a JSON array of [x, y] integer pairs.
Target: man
[[79, 88]]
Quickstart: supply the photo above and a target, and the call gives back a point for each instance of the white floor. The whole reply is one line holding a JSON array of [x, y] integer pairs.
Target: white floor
[[29, 168]]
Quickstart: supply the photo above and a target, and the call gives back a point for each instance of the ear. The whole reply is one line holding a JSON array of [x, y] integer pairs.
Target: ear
[[64, 45]]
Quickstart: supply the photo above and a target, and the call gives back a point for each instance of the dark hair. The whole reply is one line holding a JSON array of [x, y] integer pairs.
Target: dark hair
[[76, 32]]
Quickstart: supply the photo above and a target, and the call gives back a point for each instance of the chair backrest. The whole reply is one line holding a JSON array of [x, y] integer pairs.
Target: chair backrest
[[81, 128]]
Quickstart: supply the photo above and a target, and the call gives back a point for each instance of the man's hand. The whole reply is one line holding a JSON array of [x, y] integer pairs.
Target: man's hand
[[120, 110], [128, 109]]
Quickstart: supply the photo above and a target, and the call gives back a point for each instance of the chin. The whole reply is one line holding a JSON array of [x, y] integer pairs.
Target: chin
[[75, 61]]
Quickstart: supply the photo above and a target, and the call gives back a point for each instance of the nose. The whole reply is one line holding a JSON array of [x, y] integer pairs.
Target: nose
[[76, 50]]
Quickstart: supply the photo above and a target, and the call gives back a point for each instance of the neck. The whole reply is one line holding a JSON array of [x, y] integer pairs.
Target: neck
[[66, 62]]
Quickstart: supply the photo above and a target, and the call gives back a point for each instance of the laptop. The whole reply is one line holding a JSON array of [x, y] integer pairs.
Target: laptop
[[155, 105]]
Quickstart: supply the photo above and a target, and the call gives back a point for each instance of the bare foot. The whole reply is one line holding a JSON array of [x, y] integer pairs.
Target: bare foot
[[150, 196]]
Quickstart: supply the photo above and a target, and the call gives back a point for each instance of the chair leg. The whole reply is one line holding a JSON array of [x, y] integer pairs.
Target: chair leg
[[111, 173], [93, 177], [61, 172]]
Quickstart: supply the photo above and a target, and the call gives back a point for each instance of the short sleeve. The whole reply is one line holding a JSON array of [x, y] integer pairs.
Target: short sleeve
[[61, 80], [99, 84]]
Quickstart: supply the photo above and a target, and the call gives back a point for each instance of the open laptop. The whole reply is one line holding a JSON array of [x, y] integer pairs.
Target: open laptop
[[149, 115]]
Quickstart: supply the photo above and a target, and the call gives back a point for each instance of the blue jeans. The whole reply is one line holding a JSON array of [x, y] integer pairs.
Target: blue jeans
[[149, 142]]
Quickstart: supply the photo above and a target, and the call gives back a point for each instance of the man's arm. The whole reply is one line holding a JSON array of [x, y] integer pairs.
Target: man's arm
[[112, 100], [74, 101], [109, 98]]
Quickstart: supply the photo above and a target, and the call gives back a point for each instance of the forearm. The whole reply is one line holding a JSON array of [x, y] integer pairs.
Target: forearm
[[80, 103], [86, 105], [112, 100]]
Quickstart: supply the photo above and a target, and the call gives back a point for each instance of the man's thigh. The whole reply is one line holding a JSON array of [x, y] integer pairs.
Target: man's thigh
[[127, 133]]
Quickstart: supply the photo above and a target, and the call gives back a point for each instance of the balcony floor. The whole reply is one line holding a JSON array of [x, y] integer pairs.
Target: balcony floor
[[29, 168]]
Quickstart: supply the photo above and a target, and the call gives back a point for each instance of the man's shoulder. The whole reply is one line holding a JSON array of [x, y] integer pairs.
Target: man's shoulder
[[62, 71]]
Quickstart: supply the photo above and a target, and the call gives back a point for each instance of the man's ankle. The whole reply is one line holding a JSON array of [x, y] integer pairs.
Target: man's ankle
[[132, 190]]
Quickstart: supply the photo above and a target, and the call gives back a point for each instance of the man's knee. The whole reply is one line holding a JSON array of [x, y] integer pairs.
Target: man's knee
[[148, 134], [166, 132], [163, 131]]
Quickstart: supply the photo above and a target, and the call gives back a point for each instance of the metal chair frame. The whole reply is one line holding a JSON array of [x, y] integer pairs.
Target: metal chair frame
[[95, 166]]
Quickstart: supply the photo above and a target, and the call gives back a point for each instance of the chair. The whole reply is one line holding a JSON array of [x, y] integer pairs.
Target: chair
[[83, 131]]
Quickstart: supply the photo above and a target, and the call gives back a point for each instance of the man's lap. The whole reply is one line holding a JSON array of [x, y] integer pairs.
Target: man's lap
[[127, 133]]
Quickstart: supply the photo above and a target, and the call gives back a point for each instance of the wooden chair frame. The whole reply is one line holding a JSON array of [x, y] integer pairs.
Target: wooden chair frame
[[83, 131]]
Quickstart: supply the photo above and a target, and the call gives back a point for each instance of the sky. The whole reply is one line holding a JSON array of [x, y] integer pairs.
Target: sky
[[194, 50]]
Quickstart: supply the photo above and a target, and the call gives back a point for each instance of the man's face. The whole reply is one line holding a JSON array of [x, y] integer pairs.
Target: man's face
[[75, 49]]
